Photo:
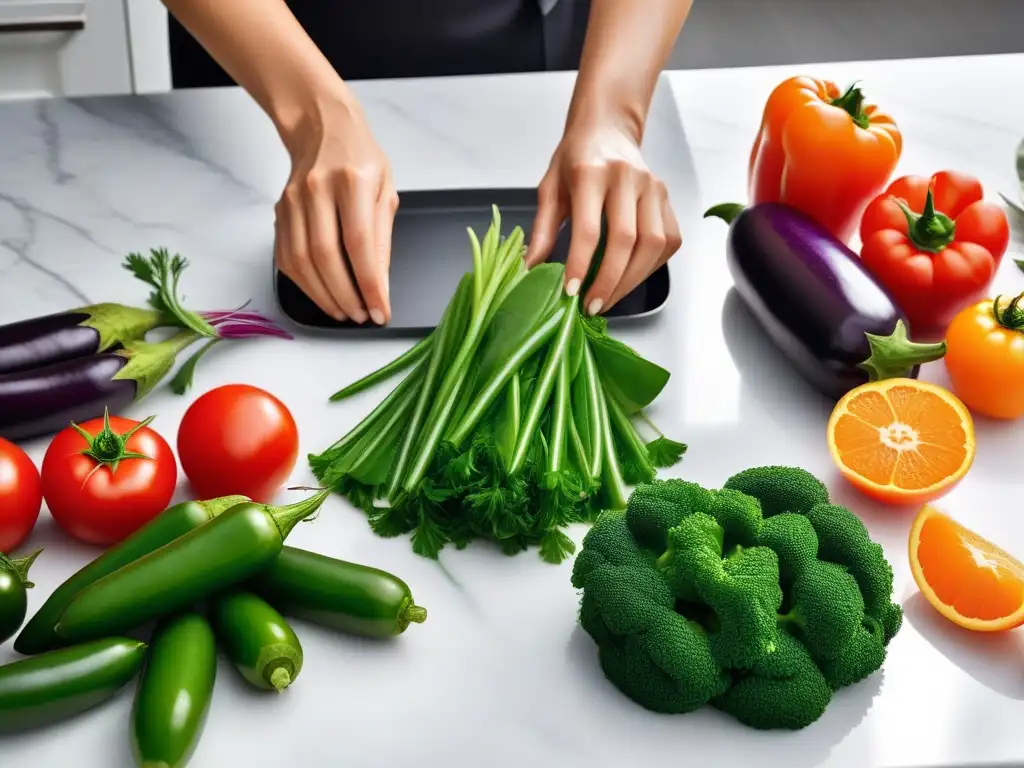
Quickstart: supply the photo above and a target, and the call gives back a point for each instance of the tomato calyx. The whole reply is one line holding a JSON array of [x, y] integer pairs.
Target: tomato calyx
[[930, 230], [896, 355], [19, 567], [1011, 317], [852, 102], [107, 447]]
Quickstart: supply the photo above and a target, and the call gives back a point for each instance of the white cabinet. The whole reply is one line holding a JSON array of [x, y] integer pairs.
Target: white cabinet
[[61, 48]]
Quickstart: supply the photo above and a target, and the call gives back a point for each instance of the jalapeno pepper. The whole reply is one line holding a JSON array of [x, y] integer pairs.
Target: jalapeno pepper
[[173, 697], [257, 639], [39, 635], [14, 584], [65, 682], [345, 596], [226, 551]]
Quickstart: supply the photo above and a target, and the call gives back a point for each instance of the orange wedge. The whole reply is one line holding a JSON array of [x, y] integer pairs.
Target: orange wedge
[[901, 441], [967, 579]]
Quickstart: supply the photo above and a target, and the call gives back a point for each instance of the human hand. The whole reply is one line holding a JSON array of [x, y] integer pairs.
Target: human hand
[[598, 168], [339, 173]]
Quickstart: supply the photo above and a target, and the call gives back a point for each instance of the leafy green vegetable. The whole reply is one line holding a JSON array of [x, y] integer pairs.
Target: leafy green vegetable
[[507, 426]]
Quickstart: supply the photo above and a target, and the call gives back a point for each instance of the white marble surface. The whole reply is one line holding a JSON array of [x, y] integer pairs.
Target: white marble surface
[[500, 675]]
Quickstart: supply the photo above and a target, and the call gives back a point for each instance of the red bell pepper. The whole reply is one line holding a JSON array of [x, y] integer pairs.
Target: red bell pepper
[[935, 245]]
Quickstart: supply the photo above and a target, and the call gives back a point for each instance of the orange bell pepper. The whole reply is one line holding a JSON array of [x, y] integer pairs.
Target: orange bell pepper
[[824, 152]]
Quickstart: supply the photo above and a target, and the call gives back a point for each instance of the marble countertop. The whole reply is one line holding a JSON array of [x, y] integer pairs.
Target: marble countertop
[[500, 675]]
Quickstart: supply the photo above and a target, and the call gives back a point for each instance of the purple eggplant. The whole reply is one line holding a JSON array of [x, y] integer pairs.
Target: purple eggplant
[[42, 341], [45, 400], [831, 319]]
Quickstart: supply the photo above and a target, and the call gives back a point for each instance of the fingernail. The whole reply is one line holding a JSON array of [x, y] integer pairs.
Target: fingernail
[[359, 317], [595, 307], [572, 287], [377, 316], [341, 317]]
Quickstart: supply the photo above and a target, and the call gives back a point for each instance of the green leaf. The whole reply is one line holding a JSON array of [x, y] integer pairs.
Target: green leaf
[[633, 381], [555, 547], [664, 452], [531, 302], [183, 378], [1015, 207], [429, 539]]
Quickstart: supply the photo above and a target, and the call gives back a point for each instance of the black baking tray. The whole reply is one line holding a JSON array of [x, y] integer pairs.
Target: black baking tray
[[430, 253]]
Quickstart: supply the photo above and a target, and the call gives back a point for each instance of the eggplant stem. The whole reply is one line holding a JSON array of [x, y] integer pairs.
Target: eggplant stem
[[894, 356]]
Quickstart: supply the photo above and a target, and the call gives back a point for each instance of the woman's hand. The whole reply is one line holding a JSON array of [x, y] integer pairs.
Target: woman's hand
[[340, 199], [598, 168]]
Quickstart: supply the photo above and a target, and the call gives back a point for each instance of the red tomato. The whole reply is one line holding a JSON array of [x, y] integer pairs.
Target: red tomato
[[946, 259], [21, 496], [237, 439], [102, 489]]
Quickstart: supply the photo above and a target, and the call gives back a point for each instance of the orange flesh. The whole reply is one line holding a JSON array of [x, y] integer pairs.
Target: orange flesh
[[968, 573], [904, 436]]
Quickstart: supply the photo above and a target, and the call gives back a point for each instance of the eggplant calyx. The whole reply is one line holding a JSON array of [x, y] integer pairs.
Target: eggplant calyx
[[727, 212], [150, 362], [117, 323], [19, 567], [852, 102], [894, 356], [107, 447], [1011, 317], [930, 230]]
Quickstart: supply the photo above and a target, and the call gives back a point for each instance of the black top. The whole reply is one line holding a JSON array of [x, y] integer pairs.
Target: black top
[[417, 38]]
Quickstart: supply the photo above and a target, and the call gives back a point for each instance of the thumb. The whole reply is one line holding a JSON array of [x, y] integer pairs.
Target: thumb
[[551, 212]]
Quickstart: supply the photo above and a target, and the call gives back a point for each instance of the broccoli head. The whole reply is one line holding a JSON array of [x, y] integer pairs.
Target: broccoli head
[[648, 650], [761, 598], [780, 489], [655, 507], [785, 689]]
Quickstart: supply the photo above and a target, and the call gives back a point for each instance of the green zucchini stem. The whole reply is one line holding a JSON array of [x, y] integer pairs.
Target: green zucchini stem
[[280, 678]]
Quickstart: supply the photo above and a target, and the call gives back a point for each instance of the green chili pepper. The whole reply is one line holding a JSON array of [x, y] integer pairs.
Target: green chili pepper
[[257, 639], [65, 682], [39, 636], [228, 550], [345, 596], [14, 586], [173, 697]]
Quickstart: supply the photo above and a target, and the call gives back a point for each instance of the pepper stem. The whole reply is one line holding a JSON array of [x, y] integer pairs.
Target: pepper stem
[[894, 356], [852, 101], [287, 517], [411, 614], [280, 678], [727, 212], [1011, 316], [20, 566], [930, 230], [107, 447]]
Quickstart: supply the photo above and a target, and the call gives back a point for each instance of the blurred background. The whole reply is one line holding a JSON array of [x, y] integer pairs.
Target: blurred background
[[88, 47]]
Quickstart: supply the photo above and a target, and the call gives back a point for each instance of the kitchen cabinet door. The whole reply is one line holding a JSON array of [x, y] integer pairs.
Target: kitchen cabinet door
[[63, 48]]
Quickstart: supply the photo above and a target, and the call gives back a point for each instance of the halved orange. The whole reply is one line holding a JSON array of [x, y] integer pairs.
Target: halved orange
[[967, 579], [901, 441]]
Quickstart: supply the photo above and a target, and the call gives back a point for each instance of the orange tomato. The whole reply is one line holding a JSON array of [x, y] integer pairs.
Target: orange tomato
[[901, 441], [985, 357]]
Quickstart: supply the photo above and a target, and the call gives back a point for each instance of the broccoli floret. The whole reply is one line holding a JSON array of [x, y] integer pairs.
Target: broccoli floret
[[655, 507], [843, 539], [608, 542], [780, 489], [793, 539], [860, 657], [826, 609], [785, 689], [739, 515], [651, 653], [741, 589]]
